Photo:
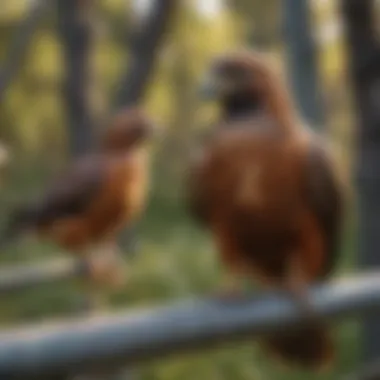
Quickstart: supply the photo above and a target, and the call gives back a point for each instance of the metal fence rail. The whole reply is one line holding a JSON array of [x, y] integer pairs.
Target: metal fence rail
[[15, 278], [110, 341]]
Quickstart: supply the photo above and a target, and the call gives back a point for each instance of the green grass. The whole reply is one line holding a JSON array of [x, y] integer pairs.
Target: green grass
[[176, 260]]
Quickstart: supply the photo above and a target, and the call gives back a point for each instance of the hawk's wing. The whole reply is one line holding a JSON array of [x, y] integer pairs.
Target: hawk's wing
[[70, 195], [325, 197], [197, 198]]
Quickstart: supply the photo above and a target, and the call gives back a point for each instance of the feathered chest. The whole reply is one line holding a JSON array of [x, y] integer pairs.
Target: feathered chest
[[253, 177], [128, 183]]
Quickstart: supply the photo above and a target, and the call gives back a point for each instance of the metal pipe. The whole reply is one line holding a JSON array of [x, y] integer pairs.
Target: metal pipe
[[102, 342], [16, 278]]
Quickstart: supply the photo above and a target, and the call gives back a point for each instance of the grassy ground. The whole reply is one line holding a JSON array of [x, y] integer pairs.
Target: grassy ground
[[176, 260]]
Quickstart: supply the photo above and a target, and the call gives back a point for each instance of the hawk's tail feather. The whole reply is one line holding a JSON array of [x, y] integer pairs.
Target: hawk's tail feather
[[309, 347]]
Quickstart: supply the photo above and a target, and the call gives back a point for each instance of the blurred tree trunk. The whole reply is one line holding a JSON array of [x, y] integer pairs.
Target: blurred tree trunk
[[75, 32], [145, 44], [19, 44], [259, 20], [182, 87], [302, 61], [364, 53]]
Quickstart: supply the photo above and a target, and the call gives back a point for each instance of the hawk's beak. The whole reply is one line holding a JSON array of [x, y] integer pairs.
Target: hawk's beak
[[213, 87], [210, 87]]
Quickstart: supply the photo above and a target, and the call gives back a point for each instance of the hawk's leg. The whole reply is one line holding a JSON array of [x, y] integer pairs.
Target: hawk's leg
[[234, 286], [106, 265], [297, 285]]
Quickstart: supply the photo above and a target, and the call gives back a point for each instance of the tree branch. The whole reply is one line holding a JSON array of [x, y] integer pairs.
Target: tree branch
[[19, 44], [145, 44]]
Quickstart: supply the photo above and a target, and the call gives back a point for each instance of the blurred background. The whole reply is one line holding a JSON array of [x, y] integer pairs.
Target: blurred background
[[65, 67]]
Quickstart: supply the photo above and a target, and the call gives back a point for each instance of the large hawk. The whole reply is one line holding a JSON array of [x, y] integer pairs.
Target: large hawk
[[266, 187]]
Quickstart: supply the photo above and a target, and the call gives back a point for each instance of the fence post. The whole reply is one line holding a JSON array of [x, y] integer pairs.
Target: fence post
[[364, 53], [301, 57]]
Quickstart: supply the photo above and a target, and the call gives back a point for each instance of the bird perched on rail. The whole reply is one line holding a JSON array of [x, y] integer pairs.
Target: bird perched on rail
[[98, 195], [267, 189]]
